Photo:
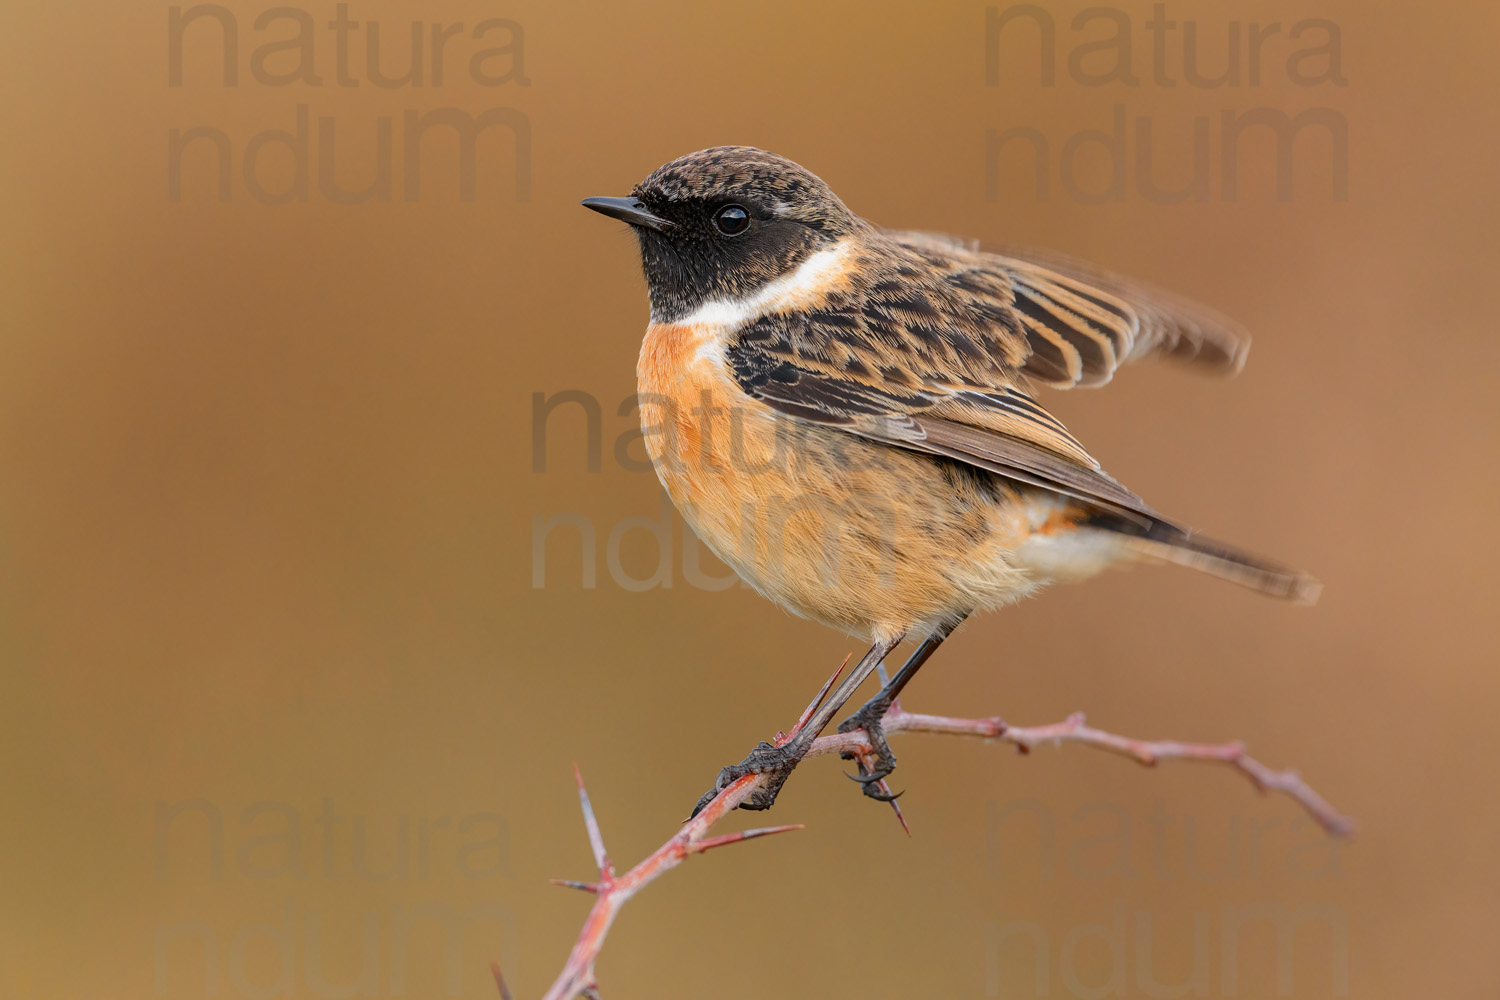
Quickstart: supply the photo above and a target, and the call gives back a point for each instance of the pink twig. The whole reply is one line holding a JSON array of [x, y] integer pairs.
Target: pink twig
[[1146, 752], [578, 974], [613, 891]]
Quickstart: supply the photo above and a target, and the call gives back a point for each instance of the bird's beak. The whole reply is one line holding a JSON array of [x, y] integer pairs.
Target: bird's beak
[[626, 210]]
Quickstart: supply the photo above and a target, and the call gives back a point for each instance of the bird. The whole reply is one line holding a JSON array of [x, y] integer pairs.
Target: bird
[[846, 415]]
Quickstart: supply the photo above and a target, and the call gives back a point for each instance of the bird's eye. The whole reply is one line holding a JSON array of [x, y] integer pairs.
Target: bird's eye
[[731, 220]]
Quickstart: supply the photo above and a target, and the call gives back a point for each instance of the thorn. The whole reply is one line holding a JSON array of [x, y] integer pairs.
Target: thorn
[[896, 808], [596, 839], [709, 843], [499, 980], [568, 883], [812, 707]]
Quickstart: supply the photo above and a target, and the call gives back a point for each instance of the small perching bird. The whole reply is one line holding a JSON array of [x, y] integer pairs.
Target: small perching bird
[[844, 415]]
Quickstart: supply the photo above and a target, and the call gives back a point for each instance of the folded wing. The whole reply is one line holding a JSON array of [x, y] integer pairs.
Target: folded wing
[[1082, 322]]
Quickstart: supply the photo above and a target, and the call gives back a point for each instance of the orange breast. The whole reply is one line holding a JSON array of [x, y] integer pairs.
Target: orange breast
[[702, 432]]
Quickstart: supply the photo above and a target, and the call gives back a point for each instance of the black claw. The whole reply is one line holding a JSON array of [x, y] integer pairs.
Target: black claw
[[882, 759], [880, 796]]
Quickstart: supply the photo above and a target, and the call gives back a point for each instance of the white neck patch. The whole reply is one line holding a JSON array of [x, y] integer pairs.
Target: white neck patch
[[804, 286]]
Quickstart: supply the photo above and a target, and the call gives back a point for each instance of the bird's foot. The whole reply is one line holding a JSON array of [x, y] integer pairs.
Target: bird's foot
[[776, 762], [876, 764]]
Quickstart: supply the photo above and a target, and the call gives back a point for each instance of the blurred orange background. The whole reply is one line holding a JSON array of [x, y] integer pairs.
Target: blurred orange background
[[285, 713]]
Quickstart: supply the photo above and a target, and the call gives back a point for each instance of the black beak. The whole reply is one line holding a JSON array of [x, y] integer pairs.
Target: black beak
[[626, 210]]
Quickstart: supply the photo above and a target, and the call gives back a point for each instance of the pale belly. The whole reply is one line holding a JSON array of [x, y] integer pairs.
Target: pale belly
[[866, 538]]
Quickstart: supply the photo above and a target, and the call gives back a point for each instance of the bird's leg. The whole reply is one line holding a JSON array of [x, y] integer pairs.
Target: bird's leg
[[873, 711], [777, 762]]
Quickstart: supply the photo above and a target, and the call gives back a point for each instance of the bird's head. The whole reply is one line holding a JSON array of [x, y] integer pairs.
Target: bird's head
[[724, 222]]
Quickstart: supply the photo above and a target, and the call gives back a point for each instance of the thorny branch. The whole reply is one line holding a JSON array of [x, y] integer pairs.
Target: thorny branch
[[613, 891]]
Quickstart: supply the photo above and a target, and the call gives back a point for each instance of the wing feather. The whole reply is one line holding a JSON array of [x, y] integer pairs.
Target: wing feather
[[1081, 321], [934, 348], [1007, 456]]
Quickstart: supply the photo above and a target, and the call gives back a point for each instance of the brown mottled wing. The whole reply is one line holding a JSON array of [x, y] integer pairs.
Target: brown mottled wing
[[1082, 322], [928, 358]]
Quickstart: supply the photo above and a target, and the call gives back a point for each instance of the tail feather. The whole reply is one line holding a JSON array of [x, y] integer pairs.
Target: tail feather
[[1167, 543]]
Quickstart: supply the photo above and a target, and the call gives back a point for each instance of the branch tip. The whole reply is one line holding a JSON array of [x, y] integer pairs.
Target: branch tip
[[499, 980], [812, 707], [896, 808], [596, 839], [709, 843]]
